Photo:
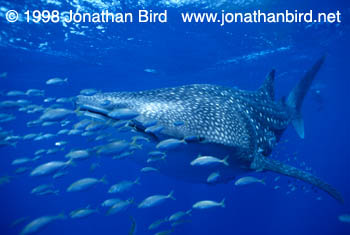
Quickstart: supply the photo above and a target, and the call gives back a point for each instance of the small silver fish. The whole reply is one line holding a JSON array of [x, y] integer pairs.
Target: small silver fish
[[15, 93], [84, 184], [59, 174], [40, 222], [50, 167], [115, 147], [30, 136], [74, 132], [148, 70], [157, 223], [55, 114], [137, 138], [123, 186], [110, 202], [156, 154], [213, 177], [148, 169], [208, 160], [41, 188], [95, 126], [178, 215], [48, 100], [154, 129], [248, 180], [56, 81], [155, 200], [206, 204], [88, 92], [63, 100], [19, 161], [44, 124], [78, 154], [80, 213], [82, 124], [123, 155], [165, 232], [119, 206], [123, 114], [169, 144], [60, 143], [35, 92], [62, 132], [4, 117]]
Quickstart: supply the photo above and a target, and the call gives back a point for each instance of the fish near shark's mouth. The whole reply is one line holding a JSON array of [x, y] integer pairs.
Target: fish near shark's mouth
[[99, 106], [90, 104]]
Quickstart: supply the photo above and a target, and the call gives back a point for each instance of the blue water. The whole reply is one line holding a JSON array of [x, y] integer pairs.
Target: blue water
[[115, 59]]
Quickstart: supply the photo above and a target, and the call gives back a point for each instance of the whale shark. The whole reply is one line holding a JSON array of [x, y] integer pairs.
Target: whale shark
[[215, 120]]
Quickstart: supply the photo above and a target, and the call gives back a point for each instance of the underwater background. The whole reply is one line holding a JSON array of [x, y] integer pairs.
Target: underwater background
[[132, 57]]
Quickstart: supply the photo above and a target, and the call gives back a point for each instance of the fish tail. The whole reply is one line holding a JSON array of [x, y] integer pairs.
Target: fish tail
[[264, 163], [137, 181], [171, 195], [133, 142], [222, 203], [104, 180], [135, 145], [296, 96], [131, 200], [70, 162], [224, 161], [189, 212]]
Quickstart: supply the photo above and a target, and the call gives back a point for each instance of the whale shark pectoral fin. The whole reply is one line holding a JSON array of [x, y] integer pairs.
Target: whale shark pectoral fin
[[263, 163]]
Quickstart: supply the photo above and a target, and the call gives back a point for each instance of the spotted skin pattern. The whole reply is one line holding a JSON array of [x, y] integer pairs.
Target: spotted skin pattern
[[236, 118]]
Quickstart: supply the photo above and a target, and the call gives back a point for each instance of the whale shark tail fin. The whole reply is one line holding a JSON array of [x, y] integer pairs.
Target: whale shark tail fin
[[296, 96], [263, 163]]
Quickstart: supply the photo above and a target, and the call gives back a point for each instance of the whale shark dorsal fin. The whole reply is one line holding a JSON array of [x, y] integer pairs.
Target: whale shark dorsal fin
[[261, 162], [268, 87]]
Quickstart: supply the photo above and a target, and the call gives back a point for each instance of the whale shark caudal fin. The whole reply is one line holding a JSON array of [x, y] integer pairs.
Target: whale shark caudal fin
[[296, 96], [263, 163]]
